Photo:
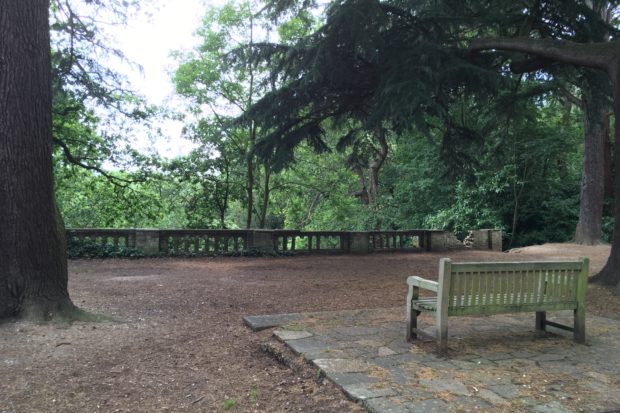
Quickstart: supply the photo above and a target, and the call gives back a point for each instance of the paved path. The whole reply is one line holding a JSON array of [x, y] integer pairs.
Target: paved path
[[496, 363]]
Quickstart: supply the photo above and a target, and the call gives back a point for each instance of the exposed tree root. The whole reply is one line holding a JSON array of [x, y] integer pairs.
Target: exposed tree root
[[606, 278], [63, 312]]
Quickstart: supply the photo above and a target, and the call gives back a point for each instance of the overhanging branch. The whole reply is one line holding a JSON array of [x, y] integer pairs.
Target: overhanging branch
[[72, 159], [593, 55]]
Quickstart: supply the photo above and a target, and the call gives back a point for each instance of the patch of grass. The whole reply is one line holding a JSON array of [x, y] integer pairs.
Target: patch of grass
[[253, 395], [320, 375], [229, 404]]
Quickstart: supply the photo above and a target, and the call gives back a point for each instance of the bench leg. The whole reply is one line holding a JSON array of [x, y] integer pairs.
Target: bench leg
[[412, 324], [442, 328], [579, 328], [541, 320], [412, 314]]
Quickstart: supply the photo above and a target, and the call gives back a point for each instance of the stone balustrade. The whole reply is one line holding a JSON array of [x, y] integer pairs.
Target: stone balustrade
[[184, 242]]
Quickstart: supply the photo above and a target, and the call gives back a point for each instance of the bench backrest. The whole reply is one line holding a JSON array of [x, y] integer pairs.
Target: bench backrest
[[502, 287]]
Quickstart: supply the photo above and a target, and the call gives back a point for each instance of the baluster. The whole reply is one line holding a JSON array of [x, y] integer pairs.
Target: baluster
[[163, 245], [176, 244]]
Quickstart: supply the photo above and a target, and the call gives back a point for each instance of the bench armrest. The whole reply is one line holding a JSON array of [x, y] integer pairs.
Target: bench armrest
[[422, 283]]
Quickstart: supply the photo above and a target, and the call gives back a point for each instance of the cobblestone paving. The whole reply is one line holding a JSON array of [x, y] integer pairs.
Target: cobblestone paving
[[497, 363]]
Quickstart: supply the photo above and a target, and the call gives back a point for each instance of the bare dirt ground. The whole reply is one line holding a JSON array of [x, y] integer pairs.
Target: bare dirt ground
[[178, 342]]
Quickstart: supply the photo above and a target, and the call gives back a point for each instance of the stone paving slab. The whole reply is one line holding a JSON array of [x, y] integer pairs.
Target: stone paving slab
[[497, 363], [263, 322]]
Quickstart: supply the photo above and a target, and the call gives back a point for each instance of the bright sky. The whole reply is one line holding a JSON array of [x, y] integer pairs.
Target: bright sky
[[148, 41]]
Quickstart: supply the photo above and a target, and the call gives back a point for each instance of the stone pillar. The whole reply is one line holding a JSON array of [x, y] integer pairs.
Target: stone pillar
[[487, 239], [444, 241], [437, 241], [495, 239], [359, 242], [481, 239], [262, 240], [147, 241]]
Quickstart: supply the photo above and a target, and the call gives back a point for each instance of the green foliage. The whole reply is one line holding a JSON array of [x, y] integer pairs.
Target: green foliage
[[88, 248], [253, 395], [229, 404], [84, 83], [320, 375], [471, 145], [89, 200]]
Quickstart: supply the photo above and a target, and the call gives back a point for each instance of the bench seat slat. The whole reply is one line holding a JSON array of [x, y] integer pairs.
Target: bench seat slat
[[481, 304]]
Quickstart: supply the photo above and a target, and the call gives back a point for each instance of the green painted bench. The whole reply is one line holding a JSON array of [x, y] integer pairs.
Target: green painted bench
[[486, 288]]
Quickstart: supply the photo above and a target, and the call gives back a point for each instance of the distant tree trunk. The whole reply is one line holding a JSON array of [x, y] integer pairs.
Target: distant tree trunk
[[315, 200], [33, 264], [516, 196], [368, 194], [222, 202], [249, 183], [604, 56], [362, 194], [375, 165], [265, 205], [595, 110]]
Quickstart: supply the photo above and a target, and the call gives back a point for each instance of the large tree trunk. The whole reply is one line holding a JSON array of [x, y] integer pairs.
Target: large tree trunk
[[604, 56], [33, 264], [610, 274], [595, 110]]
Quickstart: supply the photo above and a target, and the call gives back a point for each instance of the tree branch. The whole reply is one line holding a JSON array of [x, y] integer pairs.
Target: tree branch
[[72, 159], [593, 55]]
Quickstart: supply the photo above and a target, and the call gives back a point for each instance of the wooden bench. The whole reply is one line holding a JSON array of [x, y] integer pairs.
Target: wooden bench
[[485, 288]]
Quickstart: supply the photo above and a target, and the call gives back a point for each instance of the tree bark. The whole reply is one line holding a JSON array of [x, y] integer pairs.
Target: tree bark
[[610, 274], [595, 109], [593, 55], [375, 165], [266, 193], [609, 179], [362, 194], [249, 183], [33, 264], [605, 56]]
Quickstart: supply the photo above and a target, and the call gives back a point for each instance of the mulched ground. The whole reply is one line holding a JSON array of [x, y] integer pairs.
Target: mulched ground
[[178, 343]]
